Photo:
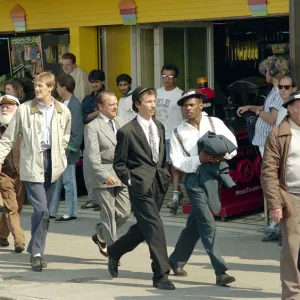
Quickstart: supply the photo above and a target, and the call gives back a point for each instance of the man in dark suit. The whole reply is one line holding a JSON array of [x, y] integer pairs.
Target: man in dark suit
[[140, 163]]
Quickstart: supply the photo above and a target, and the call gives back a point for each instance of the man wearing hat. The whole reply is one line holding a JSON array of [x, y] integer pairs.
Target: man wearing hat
[[280, 180], [11, 187], [140, 163], [185, 157]]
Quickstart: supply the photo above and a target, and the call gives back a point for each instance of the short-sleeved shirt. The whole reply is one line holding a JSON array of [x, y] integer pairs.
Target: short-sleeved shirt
[[262, 128], [89, 105]]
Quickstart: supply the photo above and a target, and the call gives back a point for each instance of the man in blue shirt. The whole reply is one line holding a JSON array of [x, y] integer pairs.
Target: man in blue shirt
[[89, 113]]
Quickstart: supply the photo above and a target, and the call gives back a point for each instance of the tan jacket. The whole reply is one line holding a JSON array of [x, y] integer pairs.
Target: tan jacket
[[27, 123], [82, 85], [273, 176]]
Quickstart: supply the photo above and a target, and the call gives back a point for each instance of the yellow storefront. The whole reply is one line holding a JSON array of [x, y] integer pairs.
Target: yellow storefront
[[99, 38]]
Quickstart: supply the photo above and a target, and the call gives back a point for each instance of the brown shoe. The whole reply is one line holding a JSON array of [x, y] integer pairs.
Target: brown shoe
[[101, 245], [19, 248], [4, 242], [224, 279], [180, 272]]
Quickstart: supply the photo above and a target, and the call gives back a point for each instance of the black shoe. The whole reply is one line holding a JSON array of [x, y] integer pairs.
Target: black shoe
[[19, 248], [101, 245], [64, 219], [36, 264], [113, 267], [224, 279], [178, 271], [164, 284], [52, 217], [88, 204], [4, 242]]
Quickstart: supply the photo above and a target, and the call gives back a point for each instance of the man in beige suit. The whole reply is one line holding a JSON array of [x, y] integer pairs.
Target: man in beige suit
[[112, 195]]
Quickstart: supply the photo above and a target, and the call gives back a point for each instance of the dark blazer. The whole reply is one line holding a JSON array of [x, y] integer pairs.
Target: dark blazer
[[73, 149], [133, 158]]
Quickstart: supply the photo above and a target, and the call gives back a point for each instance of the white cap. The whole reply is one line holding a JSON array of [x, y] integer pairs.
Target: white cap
[[8, 99]]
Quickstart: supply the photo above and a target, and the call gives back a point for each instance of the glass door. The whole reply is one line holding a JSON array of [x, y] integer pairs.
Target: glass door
[[186, 47], [147, 57]]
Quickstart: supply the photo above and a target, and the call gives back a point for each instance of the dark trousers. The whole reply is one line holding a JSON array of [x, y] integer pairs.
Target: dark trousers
[[149, 227], [39, 194], [200, 224]]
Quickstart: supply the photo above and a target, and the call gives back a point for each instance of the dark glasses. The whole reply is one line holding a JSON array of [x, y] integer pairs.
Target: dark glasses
[[286, 87]]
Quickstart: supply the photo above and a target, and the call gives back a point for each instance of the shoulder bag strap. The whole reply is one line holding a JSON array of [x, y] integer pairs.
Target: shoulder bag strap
[[180, 142], [212, 124]]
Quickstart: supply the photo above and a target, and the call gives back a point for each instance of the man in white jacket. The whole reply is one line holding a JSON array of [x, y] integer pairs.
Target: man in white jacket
[[44, 125], [82, 85]]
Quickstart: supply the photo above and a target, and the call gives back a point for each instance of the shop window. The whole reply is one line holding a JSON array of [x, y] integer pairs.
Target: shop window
[[186, 48]]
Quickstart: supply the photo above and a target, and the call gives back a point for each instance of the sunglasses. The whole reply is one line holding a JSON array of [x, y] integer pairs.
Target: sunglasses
[[167, 76], [286, 87]]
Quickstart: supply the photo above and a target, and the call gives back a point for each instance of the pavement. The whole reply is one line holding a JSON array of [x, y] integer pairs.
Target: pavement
[[76, 270]]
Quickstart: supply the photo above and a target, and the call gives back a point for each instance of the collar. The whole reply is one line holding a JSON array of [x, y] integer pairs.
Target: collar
[[35, 106], [284, 127], [105, 118], [143, 121], [294, 125], [128, 94]]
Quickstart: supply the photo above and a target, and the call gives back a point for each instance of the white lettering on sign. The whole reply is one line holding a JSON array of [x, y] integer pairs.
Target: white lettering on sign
[[248, 190]]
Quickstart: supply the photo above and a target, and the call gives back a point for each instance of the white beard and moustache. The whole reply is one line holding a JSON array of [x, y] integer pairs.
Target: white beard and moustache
[[6, 119]]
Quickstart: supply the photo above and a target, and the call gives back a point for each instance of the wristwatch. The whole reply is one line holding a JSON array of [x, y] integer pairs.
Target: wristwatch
[[257, 112]]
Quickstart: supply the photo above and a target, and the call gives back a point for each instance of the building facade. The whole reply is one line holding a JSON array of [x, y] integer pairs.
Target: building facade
[[172, 31]]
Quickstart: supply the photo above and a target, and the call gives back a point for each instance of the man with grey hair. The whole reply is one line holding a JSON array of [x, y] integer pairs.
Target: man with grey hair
[[112, 196], [12, 190], [280, 180]]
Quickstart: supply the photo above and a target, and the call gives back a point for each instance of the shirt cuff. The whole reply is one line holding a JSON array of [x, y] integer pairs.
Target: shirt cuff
[[71, 148]]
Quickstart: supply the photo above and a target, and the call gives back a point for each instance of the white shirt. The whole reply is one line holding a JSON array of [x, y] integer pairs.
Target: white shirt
[[125, 108], [190, 136], [46, 124], [293, 161], [282, 112], [106, 119], [66, 102], [167, 110], [145, 126]]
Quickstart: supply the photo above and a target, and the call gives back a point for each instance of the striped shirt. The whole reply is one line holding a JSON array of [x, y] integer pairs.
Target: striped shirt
[[262, 128]]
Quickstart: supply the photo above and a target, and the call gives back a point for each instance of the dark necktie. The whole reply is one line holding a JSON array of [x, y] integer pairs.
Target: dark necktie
[[152, 143], [111, 125]]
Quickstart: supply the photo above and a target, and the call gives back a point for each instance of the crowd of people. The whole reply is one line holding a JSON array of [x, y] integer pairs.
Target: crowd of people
[[133, 148]]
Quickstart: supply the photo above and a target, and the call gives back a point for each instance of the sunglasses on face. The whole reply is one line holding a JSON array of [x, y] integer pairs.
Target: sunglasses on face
[[167, 76], [286, 87]]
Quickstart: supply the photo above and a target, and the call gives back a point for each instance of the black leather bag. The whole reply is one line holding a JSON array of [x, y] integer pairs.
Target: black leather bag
[[251, 122]]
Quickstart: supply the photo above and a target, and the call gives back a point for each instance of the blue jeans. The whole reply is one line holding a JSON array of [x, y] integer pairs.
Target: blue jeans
[[200, 225], [68, 179]]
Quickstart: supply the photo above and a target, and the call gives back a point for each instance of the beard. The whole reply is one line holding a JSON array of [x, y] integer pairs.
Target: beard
[[6, 119]]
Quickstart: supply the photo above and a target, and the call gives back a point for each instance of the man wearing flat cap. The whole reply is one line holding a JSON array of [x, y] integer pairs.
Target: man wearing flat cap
[[140, 163], [12, 190], [185, 157], [280, 180]]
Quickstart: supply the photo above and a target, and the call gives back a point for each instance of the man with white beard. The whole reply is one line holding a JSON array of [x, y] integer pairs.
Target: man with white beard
[[12, 190]]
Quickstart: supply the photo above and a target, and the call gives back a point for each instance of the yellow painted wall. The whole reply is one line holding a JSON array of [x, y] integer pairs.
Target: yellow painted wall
[[180, 10], [44, 14], [83, 43], [118, 52]]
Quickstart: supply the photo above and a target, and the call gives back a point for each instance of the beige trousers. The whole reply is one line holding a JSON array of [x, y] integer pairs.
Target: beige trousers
[[289, 269]]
